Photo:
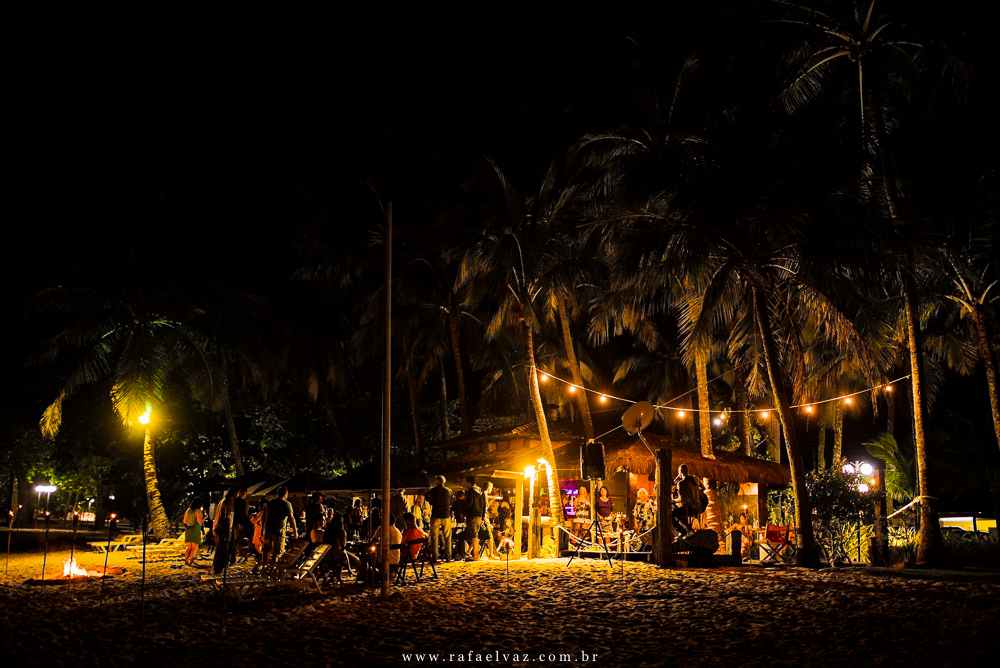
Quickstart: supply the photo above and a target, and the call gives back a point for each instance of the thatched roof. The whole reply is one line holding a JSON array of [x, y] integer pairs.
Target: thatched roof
[[629, 452]]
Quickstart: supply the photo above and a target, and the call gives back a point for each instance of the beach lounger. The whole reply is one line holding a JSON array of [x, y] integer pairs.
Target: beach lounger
[[117, 544], [165, 549], [294, 572]]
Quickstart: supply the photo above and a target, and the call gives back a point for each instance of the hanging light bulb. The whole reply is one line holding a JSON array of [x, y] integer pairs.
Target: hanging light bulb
[[604, 398], [888, 388], [544, 377], [848, 401], [572, 388], [680, 414], [764, 415], [809, 408]]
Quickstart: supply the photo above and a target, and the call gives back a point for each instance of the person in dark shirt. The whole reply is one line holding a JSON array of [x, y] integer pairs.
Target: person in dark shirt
[[458, 517], [475, 507], [440, 498]]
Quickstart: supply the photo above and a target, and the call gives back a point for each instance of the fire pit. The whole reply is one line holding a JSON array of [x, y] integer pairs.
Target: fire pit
[[72, 573]]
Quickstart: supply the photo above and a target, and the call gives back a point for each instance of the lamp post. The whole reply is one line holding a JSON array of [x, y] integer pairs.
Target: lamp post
[[862, 472]]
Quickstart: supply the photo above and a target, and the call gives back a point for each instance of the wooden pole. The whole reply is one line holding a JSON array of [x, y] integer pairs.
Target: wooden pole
[[880, 555], [386, 396], [663, 543]]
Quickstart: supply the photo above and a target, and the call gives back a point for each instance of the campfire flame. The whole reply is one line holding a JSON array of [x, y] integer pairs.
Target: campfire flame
[[70, 569]]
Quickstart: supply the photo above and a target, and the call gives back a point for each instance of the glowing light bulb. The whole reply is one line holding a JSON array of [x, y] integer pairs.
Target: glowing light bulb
[[848, 469], [544, 377], [680, 414], [863, 488], [888, 388], [866, 469], [809, 409], [572, 388], [764, 415], [848, 401], [604, 398], [718, 422]]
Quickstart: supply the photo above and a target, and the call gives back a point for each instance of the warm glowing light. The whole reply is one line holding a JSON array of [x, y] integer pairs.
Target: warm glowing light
[[718, 422], [848, 401], [866, 469], [70, 569], [529, 471], [863, 488], [544, 377], [542, 462], [848, 469], [113, 515], [680, 414], [604, 398], [809, 409], [572, 388], [888, 388], [764, 415]]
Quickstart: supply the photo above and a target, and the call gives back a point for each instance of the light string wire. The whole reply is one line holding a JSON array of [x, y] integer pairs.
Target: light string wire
[[545, 375]]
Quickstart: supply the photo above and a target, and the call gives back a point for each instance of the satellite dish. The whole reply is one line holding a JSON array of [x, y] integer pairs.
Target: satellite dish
[[637, 417]]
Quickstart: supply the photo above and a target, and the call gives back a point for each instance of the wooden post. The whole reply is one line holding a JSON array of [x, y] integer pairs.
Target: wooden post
[[736, 547], [519, 509], [534, 520], [663, 537], [762, 518]]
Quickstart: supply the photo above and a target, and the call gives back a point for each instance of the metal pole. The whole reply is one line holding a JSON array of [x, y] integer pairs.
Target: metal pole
[[107, 553], [45, 552], [10, 530], [72, 546]]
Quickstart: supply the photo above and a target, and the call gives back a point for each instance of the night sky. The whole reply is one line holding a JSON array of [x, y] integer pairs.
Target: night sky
[[191, 137]]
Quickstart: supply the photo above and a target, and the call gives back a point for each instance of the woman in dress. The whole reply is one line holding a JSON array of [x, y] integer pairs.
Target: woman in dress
[[604, 507], [222, 526], [644, 515], [193, 519]]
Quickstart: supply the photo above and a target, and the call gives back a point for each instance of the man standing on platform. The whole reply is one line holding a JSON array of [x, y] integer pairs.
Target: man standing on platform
[[440, 499]]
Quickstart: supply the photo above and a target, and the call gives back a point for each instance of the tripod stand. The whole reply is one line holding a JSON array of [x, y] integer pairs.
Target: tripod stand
[[595, 526]]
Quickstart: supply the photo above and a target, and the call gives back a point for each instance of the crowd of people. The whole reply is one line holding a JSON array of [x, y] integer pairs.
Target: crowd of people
[[471, 524]]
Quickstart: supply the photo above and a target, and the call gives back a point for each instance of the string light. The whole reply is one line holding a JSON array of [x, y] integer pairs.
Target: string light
[[764, 414]]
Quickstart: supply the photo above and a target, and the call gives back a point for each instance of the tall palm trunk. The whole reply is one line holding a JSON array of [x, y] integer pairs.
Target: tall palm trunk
[[807, 553], [838, 433], [456, 355], [411, 386], [931, 543], [821, 450], [158, 516], [227, 410], [443, 416], [574, 365], [990, 362], [704, 407], [774, 446], [742, 407], [555, 502]]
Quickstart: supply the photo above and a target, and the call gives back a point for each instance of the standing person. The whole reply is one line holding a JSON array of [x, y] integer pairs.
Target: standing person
[[277, 514], [603, 508], [242, 526], [222, 527], [458, 517], [644, 516], [475, 508], [315, 507], [689, 500], [491, 499], [193, 519], [440, 499]]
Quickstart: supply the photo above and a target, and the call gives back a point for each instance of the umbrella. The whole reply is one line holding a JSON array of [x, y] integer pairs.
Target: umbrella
[[254, 480]]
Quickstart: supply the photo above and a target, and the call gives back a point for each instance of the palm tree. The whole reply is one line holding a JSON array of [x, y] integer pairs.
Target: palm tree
[[137, 343]]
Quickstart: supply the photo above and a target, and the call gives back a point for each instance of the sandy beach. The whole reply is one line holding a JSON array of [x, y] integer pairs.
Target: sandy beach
[[542, 613]]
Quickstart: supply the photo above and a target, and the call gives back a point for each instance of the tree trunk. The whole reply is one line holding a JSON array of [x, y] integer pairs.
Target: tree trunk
[[445, 431], [574, 366], [838, 434], [890, 420], [807, 553], [930, 546], [990, 362], [704, 406], [742, 406], [456, 355], [663, 535], [411, 386], [231, 429], [158, 516], [821, 451], [774, 446], [555, 505]]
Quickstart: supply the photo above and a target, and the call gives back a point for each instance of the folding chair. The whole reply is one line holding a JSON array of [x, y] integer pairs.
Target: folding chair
[[406, 558], [777, 545]]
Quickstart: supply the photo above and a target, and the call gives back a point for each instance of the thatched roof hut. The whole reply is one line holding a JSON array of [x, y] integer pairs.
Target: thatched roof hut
[[624, 451]]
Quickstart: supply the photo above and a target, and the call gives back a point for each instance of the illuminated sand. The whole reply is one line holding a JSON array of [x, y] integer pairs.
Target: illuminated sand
[[651, 617]]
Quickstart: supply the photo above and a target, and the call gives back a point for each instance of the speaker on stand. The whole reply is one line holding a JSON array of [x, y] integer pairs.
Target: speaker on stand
[[592, 461]]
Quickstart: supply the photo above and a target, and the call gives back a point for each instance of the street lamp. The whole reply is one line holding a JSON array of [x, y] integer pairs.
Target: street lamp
[[47, 491]]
